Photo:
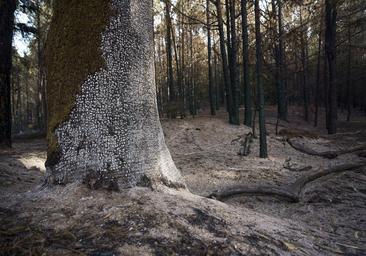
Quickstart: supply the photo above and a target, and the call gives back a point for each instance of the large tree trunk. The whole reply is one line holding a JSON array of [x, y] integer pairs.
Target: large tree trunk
[[7, 9], [104, 128]]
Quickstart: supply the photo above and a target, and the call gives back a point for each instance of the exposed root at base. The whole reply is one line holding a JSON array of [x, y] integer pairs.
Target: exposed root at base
[[290, 193]]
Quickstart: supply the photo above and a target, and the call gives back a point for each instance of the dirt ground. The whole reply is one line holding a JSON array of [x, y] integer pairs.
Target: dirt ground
[[328, 219]]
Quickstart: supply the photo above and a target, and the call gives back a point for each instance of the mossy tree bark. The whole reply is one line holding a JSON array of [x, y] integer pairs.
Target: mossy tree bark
[[104, 128]]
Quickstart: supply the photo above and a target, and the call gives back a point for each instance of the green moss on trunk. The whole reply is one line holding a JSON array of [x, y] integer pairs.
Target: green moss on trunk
[[73, 52]]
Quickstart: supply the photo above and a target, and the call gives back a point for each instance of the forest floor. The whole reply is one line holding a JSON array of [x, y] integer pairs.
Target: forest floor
[[327, 216]]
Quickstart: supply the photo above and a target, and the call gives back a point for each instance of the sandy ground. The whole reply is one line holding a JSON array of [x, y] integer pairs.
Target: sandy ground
[[330, 218]]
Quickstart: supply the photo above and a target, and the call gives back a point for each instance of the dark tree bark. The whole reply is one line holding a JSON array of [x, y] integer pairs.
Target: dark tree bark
[[209, 60], [41, 97], [233, 65], [170, 72], [330, 53], [224, 59], [192, 90], [104, 128], [248, 113], [7, 9], [281, 95], [304, 63], [349, 65], [181, 48], [260, 94], [317, 89]]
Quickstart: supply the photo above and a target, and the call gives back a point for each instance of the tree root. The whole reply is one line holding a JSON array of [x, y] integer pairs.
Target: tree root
[[326, 154], [290, 193]]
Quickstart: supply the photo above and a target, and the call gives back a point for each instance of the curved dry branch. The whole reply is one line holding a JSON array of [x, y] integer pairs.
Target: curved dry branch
[[326, 154], [290, 193], [300, 183], [255, 190]]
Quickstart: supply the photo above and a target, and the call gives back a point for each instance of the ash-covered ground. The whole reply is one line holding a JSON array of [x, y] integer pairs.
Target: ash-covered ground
[[329, 217]]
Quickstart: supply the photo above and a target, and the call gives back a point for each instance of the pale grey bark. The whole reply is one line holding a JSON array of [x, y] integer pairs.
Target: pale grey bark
[[113, 137]]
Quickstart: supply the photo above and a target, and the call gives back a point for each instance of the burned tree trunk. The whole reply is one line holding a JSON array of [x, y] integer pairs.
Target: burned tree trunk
[[7, 9], [103, 126], [281, 95], [169, 56], [248, 113], [317, 88], [225, 65], [209, 57], [330, 53], [233, 64], [260, 94]]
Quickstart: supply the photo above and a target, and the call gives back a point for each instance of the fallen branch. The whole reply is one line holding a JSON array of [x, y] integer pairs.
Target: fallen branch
[[342, 134], [326, 154], [290, 193], [287, 165], [255, 190], [301, 182]]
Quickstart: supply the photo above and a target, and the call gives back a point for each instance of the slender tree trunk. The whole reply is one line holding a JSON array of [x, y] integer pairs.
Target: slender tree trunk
[[209, 60], [260, 94], [248, 113], [281, 95], [182, 60], [317, 90], [18, 104], [217, 83], [233, 67], [178, 72], [304, 69], [170, 72], [326, 88], [192, 96], [7, 8], [349, 66], [104, 127], [224, 59], [330, 52]]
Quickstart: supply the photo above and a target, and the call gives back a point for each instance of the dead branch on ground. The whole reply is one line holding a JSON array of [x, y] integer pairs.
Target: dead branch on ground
[[291, 193], [326, 154]]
